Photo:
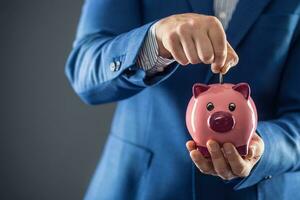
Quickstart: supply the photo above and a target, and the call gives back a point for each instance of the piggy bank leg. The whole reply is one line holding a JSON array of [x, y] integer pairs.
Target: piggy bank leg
[[243, 150], [204, 151]]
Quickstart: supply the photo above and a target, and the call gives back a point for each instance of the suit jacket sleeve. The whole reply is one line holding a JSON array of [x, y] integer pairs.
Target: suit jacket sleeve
[[102, 65], [281, 135]]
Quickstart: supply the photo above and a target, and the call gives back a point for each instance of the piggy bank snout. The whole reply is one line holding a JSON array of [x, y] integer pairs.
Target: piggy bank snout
[[221, 122]]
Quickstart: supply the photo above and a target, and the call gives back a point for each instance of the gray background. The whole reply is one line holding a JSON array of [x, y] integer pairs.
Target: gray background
[[50, 141]]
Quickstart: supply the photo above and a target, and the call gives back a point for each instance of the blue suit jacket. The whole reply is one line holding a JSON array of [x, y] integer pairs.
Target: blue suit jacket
[[145, 155]]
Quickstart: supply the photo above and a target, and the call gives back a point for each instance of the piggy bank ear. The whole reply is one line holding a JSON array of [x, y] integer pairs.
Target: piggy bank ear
[[242, 88], [199, 88]]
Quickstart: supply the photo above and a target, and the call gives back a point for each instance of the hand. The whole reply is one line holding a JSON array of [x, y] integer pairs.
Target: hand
[[226, 162], [194, 38]]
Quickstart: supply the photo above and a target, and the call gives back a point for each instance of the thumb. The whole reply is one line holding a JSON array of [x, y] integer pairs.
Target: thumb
[[252, 151], [232, 59]]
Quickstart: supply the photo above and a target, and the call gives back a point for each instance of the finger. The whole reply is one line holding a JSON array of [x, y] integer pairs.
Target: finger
[[204, 47], [238, 166], [218, 160], [218, 39], [173, 45], [257, 146], [231, 60], [190, 145], [215, 69], [189, 48], [213, 171], [251, 152], [256, 139], [203, 164]]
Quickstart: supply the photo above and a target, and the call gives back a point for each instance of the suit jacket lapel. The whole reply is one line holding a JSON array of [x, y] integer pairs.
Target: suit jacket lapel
[[244, 16], [204, 7]]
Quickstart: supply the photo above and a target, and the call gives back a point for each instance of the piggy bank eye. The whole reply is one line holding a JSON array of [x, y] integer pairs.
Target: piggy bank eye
[[231, 107], [210, 106]]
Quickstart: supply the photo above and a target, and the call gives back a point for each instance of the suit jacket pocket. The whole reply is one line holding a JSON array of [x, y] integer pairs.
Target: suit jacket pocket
[[120, 171]]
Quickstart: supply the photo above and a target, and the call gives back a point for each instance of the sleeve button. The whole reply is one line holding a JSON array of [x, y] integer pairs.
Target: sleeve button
[[268, 177], [118, 65], [112, 66]]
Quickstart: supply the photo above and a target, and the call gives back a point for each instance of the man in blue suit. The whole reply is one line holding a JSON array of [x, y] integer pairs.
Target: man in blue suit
[[133, 52]]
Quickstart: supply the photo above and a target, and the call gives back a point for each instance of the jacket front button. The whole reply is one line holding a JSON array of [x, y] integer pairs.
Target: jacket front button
[[112, 66]]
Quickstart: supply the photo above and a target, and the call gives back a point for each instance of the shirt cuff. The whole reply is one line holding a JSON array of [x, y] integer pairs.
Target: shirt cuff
[[148, 58]]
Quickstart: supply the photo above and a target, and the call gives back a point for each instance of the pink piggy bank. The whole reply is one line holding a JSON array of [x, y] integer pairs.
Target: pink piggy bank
[[221, 112]]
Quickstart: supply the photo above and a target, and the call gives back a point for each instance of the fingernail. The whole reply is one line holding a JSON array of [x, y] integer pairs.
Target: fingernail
[[230, 64], [213, 146], [233, 62], [227, 149], [193, 156], [253, 148]]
